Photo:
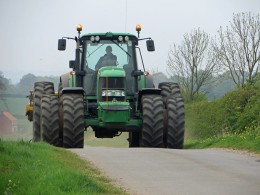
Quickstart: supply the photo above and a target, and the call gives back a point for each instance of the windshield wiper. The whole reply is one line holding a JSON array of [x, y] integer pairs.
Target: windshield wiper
[[121, 48], [95, 50]]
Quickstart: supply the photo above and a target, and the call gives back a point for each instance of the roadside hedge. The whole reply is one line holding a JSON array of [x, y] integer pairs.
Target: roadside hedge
[[235, 112]]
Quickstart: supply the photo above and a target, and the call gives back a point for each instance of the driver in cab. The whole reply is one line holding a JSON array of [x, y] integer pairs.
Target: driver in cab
[[108, 59]]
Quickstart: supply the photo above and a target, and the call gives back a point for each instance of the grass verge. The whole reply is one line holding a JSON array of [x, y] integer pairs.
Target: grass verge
[[243, 141], [38, 168]]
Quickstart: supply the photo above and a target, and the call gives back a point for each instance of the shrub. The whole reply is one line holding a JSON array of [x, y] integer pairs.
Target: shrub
[[203, 119], [232, 113]]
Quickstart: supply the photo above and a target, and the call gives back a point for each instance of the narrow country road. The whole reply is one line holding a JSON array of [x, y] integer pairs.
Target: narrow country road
[[144, 171]]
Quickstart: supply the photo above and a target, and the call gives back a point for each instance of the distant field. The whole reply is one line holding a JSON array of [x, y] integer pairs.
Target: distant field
[[16, 106]]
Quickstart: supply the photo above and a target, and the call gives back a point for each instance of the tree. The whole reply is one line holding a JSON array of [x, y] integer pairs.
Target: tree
[[3, 82], [3, 86], [25, 84], [238, 47], [193, 63]]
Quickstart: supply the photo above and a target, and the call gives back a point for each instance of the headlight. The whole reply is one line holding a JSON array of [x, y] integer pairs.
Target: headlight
[[116, 93], [126, 38], [119, 93]]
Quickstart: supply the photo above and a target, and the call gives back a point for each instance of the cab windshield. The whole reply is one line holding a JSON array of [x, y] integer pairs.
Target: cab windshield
[[107, 53]]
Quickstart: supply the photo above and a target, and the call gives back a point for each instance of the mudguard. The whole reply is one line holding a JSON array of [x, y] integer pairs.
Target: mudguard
[[147, 91], [74, 90]]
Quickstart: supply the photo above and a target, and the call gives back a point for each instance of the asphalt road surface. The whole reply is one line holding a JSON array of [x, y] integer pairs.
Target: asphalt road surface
[[163, 171]]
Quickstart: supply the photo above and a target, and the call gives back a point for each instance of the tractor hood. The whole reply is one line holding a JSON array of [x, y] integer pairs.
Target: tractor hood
[[111, 71]]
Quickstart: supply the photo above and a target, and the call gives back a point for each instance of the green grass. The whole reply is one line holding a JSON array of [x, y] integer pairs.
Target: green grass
[[248, 140], [38, 168]]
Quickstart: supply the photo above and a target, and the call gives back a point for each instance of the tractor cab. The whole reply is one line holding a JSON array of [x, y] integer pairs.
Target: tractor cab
[[115, 50], [109, 57]]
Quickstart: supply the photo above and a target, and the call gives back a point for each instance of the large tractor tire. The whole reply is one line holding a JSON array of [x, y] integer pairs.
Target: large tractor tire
[[169, 89], [153, 121], [73, 120], [50, 119], [40, 88], [175, 123], [60, 113]]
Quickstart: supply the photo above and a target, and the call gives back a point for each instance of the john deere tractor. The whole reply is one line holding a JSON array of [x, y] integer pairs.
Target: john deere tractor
[[109, 96]]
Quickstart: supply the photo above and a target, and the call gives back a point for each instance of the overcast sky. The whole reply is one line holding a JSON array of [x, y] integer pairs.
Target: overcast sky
[[30, 29]]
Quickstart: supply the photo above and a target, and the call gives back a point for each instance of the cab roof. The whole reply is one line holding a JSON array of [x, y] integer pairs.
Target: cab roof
[[108, 34]]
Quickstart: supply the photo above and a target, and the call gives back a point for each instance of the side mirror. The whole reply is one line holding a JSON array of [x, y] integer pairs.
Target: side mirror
[[150, 45], [62, 44], [72, 64]]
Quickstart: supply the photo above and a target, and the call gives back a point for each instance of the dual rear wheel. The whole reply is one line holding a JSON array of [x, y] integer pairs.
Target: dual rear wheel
[[153, 122], [73, 120], [163, 119], [174, 123], [50, 120], [40, 89], [58, 120]]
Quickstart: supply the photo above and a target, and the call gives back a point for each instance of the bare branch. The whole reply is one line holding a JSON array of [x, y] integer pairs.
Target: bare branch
[[239, 47], [193, 62]]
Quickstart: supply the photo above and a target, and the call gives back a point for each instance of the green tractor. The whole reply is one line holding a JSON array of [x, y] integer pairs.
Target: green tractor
[[109, 93]]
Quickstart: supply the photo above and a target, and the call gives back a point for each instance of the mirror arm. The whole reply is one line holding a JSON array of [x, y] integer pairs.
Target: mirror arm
[[69, 38], [148, 38]]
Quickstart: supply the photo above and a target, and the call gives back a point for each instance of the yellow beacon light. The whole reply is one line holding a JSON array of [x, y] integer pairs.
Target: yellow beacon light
[[138, 27], [79, 27]]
